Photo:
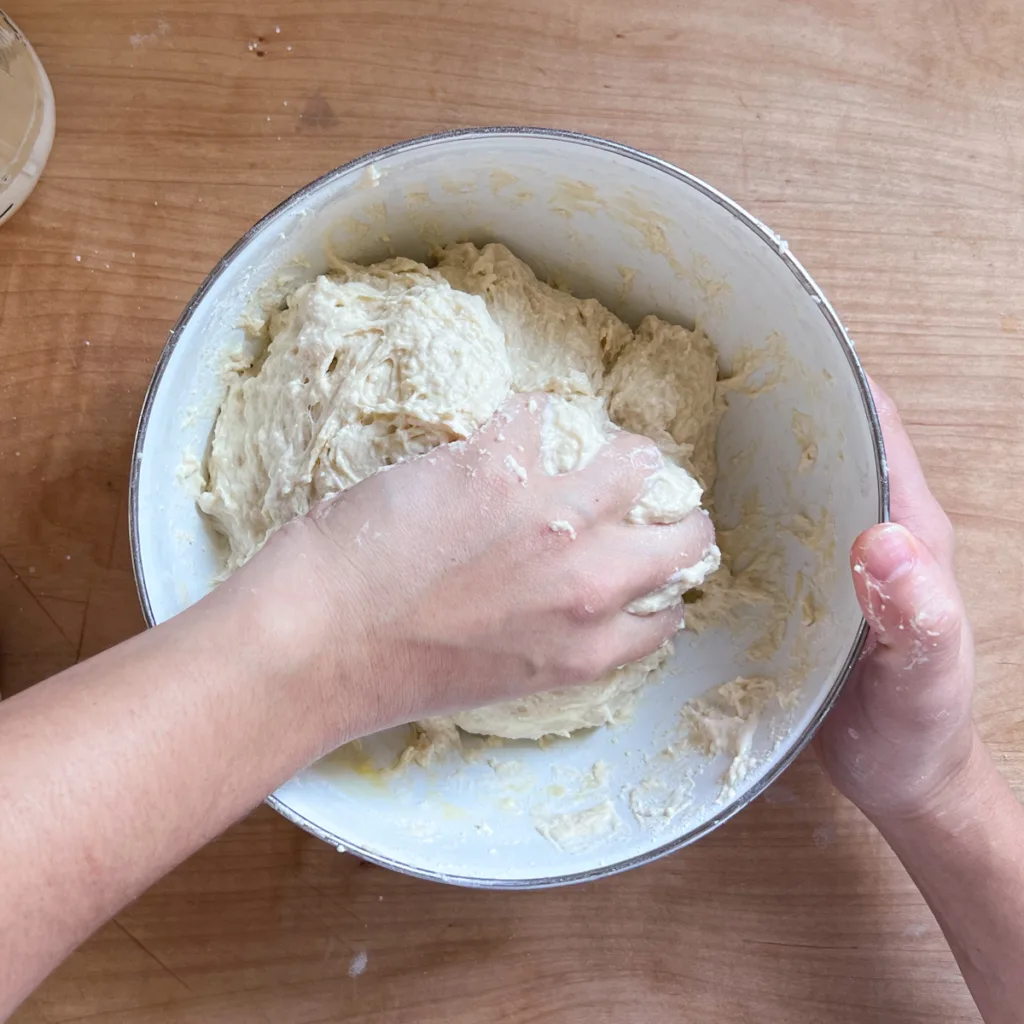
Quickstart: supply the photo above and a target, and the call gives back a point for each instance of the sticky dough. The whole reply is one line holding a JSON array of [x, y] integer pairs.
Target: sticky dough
[[373, 365]]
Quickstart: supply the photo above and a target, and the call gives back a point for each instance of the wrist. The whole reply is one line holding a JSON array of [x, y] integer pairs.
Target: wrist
[[964, 797], [307, 640]]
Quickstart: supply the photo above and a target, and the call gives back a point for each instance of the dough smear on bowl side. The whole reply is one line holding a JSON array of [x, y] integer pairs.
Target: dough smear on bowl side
[[372, 365]]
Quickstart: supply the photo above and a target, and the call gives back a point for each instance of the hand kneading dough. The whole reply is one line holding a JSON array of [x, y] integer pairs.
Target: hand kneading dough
[[373, 365]]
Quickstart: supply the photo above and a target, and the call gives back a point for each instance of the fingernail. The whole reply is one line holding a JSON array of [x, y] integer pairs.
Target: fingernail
[[890, 553]]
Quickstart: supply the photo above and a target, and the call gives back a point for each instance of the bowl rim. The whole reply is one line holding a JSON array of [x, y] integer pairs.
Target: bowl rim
[[781, 250]]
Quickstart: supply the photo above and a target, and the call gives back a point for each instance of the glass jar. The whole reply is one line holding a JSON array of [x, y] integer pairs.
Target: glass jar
[[27, 118]]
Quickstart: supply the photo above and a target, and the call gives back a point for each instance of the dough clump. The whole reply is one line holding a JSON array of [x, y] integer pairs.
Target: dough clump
[[369, 366]]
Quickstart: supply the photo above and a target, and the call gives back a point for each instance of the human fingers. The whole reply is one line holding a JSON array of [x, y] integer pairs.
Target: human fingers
[[920, 664], [912, 502], [503, 455], [514, 428], [640, 560], [608, 487], [632, 637]]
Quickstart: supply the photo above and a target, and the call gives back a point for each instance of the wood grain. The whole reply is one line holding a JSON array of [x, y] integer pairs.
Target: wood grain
[[882, 140]]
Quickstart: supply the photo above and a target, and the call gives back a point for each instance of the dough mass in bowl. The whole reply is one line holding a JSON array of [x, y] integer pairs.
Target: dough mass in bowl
[[372, 365]]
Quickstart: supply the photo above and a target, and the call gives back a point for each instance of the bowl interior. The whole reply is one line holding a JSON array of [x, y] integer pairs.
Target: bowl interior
[[798, 454]]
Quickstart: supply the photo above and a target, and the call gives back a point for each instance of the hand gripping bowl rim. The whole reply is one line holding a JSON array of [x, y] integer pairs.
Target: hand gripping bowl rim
[[781, 251]]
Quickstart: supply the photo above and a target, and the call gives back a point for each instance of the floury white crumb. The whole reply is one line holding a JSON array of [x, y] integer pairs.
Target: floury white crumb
[[562, 526]]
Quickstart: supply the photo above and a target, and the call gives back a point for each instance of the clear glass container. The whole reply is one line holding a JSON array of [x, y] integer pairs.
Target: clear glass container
[[27, 118]]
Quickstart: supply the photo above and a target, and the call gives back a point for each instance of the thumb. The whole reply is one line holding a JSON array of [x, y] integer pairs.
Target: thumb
[[910, 602]]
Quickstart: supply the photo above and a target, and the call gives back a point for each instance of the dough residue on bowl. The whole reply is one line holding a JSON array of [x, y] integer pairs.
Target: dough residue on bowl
[[369, 366]]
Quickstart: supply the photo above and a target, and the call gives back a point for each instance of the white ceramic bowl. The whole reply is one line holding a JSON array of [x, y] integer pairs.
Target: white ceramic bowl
[[641, 236]]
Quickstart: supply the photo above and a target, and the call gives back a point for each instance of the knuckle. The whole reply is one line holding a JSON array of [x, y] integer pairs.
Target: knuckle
[[490, 472], [937, 621], [586, 598], [622, 468], [518, 422], [638, 456]]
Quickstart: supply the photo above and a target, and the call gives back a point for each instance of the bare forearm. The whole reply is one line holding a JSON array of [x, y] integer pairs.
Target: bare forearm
[[118, 769], [966, 858]]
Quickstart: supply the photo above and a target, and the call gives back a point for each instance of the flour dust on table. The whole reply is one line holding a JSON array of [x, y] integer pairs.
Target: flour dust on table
[[368, 366]]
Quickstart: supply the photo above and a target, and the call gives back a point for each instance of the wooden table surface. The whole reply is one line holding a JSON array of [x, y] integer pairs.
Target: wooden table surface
[[884, 140]]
